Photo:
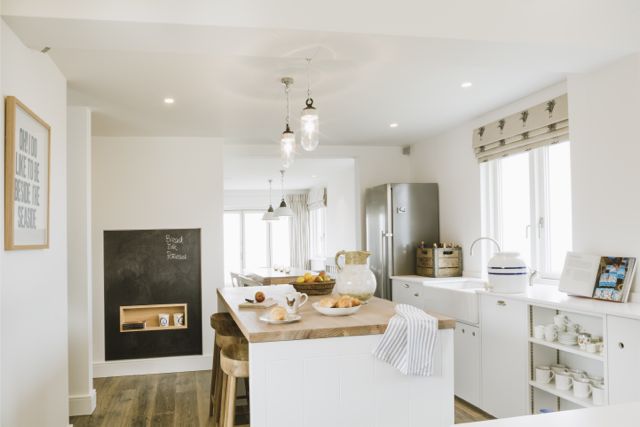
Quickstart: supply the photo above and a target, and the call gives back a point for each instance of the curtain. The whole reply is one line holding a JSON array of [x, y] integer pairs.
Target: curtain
[[544, 124], [317, 198], [299, 230]]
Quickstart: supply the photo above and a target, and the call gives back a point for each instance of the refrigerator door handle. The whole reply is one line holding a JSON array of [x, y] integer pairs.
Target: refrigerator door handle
[[385, 262]]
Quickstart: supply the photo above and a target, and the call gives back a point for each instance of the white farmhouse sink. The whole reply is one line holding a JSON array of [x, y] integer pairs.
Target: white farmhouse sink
[[454, 297]]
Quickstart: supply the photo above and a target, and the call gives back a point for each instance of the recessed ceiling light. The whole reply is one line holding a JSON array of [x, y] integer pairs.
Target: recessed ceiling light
[[393, 125], [314, 176], [466, 85], [169, 100]]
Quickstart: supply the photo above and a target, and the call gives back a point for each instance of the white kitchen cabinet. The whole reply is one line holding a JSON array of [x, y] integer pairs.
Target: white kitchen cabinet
[[623, 353], [467, 363], [405, 292], [504, 360]]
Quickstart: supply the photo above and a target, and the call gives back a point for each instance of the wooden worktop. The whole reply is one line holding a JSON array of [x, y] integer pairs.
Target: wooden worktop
[[371, 319]]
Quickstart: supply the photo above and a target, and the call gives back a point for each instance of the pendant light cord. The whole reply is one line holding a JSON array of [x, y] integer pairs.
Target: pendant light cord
[[308, 78], [286, 89], [282, 182]]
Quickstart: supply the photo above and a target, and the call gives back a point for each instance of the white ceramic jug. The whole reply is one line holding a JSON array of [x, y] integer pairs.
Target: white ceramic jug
[[355, 278], [508, 273]]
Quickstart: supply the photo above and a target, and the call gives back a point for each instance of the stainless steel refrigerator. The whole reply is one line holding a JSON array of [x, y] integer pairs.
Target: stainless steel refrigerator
[[398, 218]]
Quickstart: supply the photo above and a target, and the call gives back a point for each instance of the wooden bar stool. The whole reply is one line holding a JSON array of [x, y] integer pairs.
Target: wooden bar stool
[[234, 361], [227, 333]]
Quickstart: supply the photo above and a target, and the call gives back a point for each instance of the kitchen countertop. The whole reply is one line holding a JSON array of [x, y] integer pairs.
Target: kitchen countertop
[[624, 415], [372, 319], [548, 296]]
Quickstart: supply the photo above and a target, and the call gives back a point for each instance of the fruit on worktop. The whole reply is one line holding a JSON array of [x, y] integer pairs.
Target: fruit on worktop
[[259, 296], [278, 313], [310, 278]]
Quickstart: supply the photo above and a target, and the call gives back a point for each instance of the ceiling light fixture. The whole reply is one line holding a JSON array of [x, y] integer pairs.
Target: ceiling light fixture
[[169, 100], [283, 209], [288, 138], [269, 215], [466, 85], [393, 125], [309, 120]]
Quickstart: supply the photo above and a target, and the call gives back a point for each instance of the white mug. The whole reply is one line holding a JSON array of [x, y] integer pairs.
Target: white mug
[[598, 394], [596, 380], [163, 320], [178, 319], [577, 374], [538, 332], [550, 333], [544, 375], [564, 381], [295, 300], [559, 369], [582, 388]]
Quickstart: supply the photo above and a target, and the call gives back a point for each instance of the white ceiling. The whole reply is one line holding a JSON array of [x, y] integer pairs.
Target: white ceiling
[[225, 78], [252, 173]]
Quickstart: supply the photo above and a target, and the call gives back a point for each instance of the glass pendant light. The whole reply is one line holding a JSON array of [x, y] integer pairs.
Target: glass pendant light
[[309, 120], [288, 138], [283, 209], [269, 215]]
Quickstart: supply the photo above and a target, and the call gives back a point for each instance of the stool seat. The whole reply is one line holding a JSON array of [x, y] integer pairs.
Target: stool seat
[[224, 324], [234, 360]]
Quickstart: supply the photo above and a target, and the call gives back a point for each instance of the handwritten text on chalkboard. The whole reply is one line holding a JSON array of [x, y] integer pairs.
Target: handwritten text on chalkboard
[[175, 247]]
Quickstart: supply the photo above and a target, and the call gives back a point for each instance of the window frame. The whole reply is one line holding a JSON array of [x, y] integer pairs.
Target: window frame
[[269, 248], [538, 230]]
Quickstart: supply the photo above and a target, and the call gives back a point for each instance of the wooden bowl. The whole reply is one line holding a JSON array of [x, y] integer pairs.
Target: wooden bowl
[[315, 288]]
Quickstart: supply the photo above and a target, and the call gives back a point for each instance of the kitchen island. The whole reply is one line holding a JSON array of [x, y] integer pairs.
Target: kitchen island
[[320, 371]]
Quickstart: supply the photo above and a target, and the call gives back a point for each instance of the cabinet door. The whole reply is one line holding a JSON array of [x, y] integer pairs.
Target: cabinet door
[[407, 293], [623, 353], [505, 388], [467, 363]]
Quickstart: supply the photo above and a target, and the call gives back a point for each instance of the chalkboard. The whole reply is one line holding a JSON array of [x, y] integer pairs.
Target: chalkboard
[[152, 267]]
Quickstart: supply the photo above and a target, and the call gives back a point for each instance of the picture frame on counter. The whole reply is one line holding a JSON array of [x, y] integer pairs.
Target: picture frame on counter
[[27, 177]]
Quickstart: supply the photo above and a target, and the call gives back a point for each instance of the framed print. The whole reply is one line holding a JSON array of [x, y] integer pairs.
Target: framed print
[[27, 161]]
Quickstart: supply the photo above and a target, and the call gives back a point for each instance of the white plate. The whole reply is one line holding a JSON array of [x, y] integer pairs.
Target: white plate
[[335, 311], [289, 319]]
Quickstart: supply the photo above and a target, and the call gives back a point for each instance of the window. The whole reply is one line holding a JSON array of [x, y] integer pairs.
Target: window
[[527, 205], [250, 242], [317, 227]]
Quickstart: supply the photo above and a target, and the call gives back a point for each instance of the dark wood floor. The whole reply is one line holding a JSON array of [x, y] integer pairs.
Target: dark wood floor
[[179, 399]]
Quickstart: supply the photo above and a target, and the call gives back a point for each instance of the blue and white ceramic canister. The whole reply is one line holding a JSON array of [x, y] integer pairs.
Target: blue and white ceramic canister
[[508, 273]]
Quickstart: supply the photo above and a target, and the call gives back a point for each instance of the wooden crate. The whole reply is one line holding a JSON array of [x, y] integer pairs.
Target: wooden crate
[[439, 262]]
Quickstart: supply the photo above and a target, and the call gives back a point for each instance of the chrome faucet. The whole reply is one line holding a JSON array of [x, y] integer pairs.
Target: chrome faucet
[[484, 238], [532, 276]]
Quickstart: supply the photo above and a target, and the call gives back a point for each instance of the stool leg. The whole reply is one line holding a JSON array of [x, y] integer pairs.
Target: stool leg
[[246, 390], [214, 373], [230, 410], [222, 413]]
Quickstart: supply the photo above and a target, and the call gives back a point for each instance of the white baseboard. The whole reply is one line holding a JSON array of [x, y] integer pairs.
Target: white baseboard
[[83, 404], [159, 365]]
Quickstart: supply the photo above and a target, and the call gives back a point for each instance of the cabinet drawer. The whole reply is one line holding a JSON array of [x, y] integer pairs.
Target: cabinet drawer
[[408, 293]]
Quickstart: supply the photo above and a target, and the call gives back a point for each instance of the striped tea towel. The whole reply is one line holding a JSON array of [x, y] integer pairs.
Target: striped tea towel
[[409, 341]]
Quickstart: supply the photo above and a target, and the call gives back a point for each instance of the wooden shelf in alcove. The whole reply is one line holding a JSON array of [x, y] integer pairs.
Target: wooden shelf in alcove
[[150, 312]]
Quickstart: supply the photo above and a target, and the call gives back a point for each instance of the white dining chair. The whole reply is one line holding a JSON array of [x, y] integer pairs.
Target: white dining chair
[[247, 281], [235, 280]]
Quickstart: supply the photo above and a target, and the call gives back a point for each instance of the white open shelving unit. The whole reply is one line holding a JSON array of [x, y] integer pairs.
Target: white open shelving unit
[[542, 352]]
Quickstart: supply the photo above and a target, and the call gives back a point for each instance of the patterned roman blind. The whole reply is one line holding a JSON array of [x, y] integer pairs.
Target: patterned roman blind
[[544, 124]]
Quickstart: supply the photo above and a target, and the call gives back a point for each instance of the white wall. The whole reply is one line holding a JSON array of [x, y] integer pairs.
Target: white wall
[[342, 219], [82, 395], [154, 183], [33, 313], [603, 113], [374, 165], [448, 159]]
